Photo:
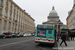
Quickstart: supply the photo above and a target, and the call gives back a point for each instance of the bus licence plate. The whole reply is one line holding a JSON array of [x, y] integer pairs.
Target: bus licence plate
[[43, 39]]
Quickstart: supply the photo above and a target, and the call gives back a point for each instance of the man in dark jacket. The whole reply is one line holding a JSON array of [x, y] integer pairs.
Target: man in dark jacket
[[63, 38]]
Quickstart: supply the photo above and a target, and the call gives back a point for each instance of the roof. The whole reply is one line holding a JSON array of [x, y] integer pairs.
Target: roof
[[53, 12], [70, 12]]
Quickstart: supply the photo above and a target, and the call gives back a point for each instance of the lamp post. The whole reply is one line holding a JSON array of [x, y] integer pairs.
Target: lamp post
[[59, 27]]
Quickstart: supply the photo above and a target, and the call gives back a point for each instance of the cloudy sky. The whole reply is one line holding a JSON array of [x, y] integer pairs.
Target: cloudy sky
[[40, 9]]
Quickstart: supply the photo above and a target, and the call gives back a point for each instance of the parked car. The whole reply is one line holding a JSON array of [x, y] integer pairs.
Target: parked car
[[25, 35], [13, 35], [33, 34], [29, 35], [2, 35], [8, 35], [20, 35]]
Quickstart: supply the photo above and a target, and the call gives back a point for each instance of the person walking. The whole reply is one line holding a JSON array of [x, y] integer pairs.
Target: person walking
[[72, 36], [63, 38]]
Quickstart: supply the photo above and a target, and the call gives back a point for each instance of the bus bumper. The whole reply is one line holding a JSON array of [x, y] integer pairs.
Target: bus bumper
[[45, 42]]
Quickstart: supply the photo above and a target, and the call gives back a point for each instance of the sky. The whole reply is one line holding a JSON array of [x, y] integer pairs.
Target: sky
[[39, 9]]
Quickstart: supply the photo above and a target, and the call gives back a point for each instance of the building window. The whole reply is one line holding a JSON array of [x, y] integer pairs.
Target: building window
[[10, 16], [13, 27], [18, 27], [4, 25], [0, 11], [19, 20], [6, 5], [0, 20], [1, 2], [9, 26], [11, 8], [6, 0], [17, 13], [14, 11], [14, 17], [23, 28], [5, 13]]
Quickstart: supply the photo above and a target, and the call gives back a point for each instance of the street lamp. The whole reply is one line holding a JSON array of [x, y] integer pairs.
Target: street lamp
[[59, 27]]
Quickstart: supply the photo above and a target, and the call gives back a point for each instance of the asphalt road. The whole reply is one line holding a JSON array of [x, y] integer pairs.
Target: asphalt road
[[23, 43]]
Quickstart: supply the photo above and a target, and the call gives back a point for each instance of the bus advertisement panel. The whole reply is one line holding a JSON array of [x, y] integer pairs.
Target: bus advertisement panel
[[41, 33]]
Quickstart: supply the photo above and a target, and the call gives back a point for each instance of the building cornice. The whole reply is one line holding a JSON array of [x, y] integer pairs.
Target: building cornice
[[21, 9], [70, 12]]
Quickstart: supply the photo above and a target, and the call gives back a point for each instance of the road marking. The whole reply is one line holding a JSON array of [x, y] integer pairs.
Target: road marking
[[42, 48], [15, 43]]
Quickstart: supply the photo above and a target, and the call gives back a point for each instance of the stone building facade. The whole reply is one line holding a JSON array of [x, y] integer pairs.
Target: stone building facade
[[53, 19], [71, 18], [14, 19]]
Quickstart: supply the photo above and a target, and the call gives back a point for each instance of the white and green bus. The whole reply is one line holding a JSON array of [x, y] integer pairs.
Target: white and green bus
[[45, 34]]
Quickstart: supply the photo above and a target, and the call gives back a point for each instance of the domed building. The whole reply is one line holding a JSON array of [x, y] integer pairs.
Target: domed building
[[53, 19], [53, 15]]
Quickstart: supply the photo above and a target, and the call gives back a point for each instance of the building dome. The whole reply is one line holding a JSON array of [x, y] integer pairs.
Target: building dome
[[53, 12]]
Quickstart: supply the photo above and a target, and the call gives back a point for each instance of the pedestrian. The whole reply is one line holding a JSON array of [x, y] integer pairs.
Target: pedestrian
[[63, 38], [72, 36]]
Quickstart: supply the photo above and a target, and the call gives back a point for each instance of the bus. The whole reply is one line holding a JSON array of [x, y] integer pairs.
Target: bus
[[45, 34]]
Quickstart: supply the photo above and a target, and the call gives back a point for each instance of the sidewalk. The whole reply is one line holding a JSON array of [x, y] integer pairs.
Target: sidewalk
[[71, 45]]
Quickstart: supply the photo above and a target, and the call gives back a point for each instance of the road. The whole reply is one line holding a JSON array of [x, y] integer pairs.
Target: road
[[23, 43]]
